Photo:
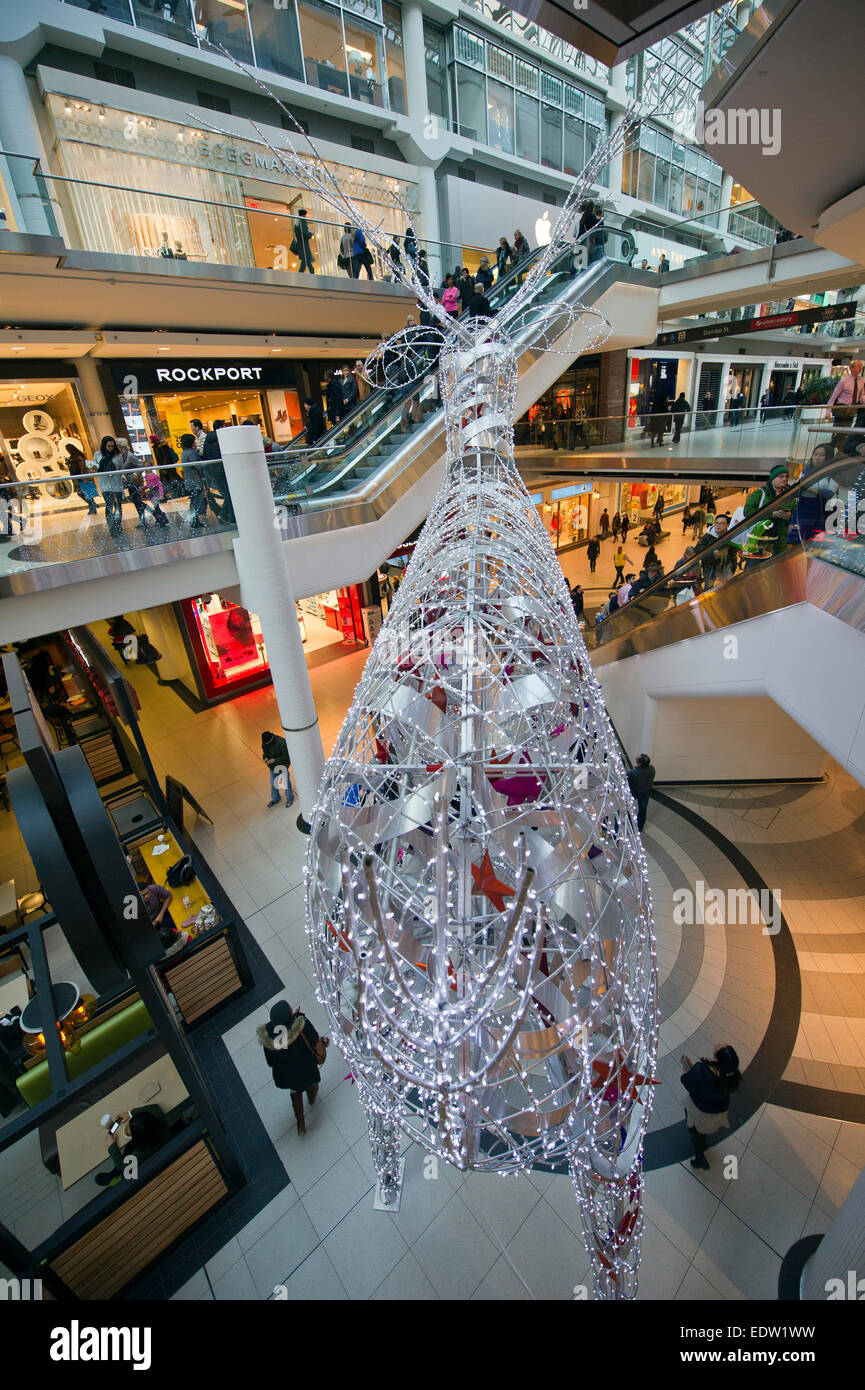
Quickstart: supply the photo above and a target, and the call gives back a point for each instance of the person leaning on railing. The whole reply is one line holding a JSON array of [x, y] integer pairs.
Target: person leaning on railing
[[847, 398]]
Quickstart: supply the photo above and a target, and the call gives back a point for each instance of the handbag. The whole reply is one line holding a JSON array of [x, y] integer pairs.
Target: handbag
[[319, 1052], [181, 873]]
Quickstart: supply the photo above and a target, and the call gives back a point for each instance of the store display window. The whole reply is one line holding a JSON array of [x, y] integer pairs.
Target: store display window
[[40, 421], [227, 644]]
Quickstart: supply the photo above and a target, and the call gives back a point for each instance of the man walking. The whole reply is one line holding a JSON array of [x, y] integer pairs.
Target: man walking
[[300, 246], [274, 751], [679, 409], [593, 550], [640, 780], [620, 559], [845, 400]]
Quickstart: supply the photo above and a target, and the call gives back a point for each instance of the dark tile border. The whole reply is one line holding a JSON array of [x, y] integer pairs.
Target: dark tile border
[[816, 1100]]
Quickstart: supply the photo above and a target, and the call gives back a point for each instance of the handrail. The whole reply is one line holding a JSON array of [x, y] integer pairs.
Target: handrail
[[816, 475]]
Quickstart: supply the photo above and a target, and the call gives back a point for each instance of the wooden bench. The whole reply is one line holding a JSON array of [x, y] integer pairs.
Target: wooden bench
[[119, 1248], [204, 979]]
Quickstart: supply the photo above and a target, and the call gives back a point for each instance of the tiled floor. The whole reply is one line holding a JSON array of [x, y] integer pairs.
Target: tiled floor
[[716, 1235]]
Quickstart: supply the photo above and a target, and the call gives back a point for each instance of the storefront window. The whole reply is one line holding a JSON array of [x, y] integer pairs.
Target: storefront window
[[528, 127], [500, 108], [395, 59], [574, 150], [223, 22], [324, 56], [171, 18], [364, 48], [227, 642], [472, 99], [277, 38], [551, 137], [39, 422]]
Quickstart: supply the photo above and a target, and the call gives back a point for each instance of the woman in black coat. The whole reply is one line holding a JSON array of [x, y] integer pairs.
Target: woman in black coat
[[709, 1084], [289, 1041]]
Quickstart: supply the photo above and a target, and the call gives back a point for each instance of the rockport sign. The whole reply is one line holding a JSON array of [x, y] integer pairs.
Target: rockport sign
[[216, 375], [192, 374]]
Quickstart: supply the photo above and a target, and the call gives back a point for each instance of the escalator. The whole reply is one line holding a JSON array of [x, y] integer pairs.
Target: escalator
[[790, 626]]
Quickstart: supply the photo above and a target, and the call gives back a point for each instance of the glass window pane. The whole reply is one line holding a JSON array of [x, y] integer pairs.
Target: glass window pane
[[528, 127], [688, 195], [675, 203], [551, 89], [574, 155], [112, 9], [500, 113], [527, 77], [468, 48], [276, 38], [364, 51], [324, 57], [646, 177], [171, 18], [395, 59], [499, 63], [436, 76], [551, 137], [222, 22], [472, 97], [662, 182]]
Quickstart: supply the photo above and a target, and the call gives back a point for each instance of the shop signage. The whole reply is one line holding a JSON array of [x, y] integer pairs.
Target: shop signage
[[734, 327], [559, 493], [191, 375], [785, 364]]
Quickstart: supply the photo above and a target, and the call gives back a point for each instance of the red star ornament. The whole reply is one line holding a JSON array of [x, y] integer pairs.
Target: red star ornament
[[486, 883]]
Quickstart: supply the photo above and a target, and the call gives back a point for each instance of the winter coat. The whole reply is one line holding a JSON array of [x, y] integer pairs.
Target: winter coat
[[721, 564], [114, 481], [315, 423], [451, 299], [276, 752], [773, 531], [293, 1063], [479, 307], [335, 402], [503, 256], [521, 250]]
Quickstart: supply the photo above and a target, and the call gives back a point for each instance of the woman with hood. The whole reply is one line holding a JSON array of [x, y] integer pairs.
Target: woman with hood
[[291, 1051]]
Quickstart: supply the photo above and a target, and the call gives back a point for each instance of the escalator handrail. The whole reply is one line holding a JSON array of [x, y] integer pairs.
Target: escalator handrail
[[380, 393], [816, 475]]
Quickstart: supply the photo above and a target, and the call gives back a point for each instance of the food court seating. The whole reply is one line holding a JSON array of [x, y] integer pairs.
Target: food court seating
[[99, 1039]]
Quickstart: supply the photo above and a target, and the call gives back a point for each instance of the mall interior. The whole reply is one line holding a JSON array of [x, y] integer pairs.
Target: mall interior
[[175, 280]]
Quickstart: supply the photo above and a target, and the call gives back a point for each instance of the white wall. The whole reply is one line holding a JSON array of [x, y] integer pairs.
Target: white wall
[[810, 664], [716, 739], [479, 215]]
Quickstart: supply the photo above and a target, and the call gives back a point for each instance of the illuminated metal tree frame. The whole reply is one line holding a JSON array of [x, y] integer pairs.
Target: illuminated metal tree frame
[[478, 898]]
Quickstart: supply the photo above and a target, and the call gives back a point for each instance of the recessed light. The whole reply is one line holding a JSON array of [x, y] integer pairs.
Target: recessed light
[[19, 347], [163, 349], [276, 349]]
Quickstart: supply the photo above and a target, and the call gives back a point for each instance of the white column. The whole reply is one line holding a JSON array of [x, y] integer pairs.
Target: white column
[[94, 397], [425, 132], [265, 585], [726, 195], [840, 1252], [415, 60], [616, 163], [19, 134]]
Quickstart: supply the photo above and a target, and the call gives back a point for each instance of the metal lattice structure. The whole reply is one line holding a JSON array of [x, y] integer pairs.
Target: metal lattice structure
[[478, 898]]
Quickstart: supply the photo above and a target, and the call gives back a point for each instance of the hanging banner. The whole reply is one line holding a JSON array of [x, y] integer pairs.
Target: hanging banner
[[729, 329]]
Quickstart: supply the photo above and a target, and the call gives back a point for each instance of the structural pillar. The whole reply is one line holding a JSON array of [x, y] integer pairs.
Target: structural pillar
[[94, 397], [265, 584], [835, 1271], [726, 195], [19, 135], [427, 134]]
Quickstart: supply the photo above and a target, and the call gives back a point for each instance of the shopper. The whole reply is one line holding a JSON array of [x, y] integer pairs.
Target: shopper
[[133, 477], [721, 564], [765, 404], [361, 256], [300, 246], [466, 289], [345, 256], [77, 463], [111, 483], [479, 306], [640, 780], [119, 632], [620, 559], [658, 511], [423, 274], [201, 433], [148, 1131], [316, 425], [484, 274], [578, 600], [334, 398], [659, 420], [152, 493], [520, 252], [845, 400], [593, 550], [503, 256], [349, 389], [361, 383], [624, 592], [679, 410], [686, 518], [409, 242], [166, 458], [773, 532], [217, 483], [274, 751], [663, 264], [194, 481], [450, 297], [625, 526], [294, 1052], [709, 1084]]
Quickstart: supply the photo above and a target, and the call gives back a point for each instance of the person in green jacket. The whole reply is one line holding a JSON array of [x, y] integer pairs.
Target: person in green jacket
[[775, 527], [275, 754]]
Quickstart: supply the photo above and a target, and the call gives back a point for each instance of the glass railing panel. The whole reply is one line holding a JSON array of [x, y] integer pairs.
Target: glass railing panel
[[830, 514], [111, 9], [22, 182], [172, 19], [64, 517]]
